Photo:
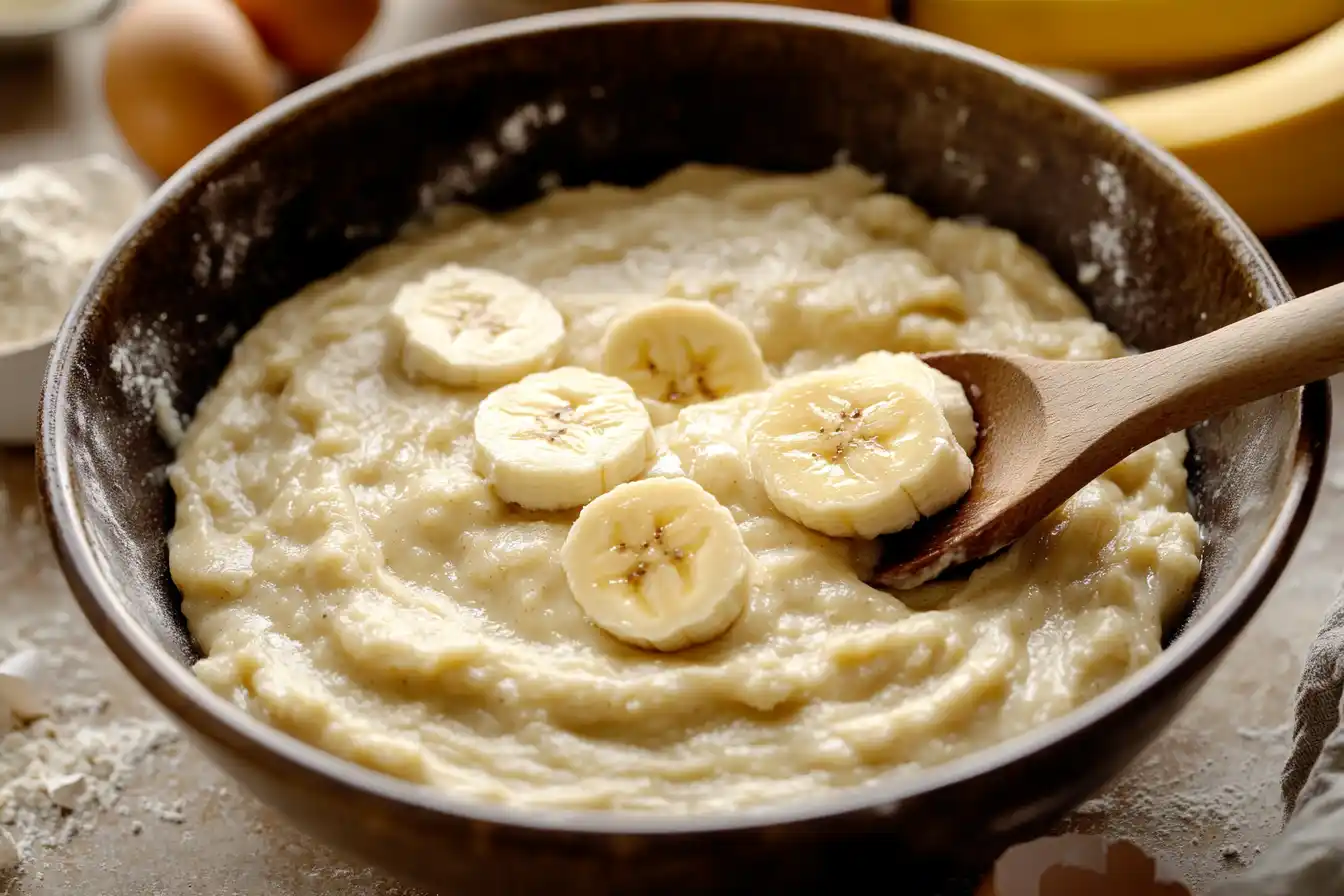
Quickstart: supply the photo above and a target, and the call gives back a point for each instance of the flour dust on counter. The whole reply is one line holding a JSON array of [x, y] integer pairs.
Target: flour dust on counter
[[1208, 794], [64, 771]]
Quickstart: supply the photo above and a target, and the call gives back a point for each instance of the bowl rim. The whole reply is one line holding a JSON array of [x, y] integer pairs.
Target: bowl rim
[[48, 27], [174, 686]]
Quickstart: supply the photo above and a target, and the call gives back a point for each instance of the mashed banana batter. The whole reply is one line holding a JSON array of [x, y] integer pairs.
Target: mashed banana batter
[[354, 580]]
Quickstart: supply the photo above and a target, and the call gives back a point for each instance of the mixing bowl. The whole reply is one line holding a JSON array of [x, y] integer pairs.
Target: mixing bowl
[[622, 94]]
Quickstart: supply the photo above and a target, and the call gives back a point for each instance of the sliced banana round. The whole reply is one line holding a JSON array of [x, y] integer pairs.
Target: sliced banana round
[[856, 452], [659, 564], [946, 392], [560, 438], [474, 328], [680, 352]]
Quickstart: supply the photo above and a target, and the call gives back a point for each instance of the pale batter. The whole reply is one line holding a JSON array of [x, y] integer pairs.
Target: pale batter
[[355, 582]]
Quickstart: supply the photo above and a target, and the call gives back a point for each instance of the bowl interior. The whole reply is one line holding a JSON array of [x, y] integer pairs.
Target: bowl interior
[[491, 117]]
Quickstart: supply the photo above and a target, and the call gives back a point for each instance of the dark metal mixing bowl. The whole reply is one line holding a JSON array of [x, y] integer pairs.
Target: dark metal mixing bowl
[[623, 94]]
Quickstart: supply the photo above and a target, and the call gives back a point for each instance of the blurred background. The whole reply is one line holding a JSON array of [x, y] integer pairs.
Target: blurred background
[[1249, 94]]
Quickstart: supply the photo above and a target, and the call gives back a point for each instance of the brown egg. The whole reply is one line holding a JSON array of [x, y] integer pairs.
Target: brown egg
[[180, 73], [311, 37]]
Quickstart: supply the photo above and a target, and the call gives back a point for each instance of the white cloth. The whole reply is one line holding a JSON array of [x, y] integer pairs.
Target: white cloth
[[1307, 859]]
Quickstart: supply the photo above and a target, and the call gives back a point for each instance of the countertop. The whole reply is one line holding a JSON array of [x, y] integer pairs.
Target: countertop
[[1205, 795]]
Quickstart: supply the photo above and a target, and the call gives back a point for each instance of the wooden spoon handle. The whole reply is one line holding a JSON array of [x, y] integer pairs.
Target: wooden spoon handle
[[1174, 388]]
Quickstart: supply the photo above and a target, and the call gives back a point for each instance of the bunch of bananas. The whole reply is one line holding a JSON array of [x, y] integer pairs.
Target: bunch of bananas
[[1269, 138]]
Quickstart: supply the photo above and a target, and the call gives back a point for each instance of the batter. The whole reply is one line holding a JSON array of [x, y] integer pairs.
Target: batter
[[355, 579]]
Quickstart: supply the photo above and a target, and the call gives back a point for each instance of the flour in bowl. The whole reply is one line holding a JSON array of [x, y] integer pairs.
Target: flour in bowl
[[55, 223], [381, 550]]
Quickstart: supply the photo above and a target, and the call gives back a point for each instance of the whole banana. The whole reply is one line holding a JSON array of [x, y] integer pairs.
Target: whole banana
[[1106, 35], [1123, 35], [879, 9], [1269, 138]]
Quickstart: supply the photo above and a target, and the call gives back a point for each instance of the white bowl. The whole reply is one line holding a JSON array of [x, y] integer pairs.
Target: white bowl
[[21, 370], [39, 29], [113, 192]]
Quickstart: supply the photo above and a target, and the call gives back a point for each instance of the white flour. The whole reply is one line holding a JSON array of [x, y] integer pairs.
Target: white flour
[[142, 358], [76, 743], [55, 223], [1107, 237], [462, 177], [61, 774]]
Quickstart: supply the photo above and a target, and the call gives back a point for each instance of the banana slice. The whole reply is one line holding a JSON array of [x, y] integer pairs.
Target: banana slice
[[471, 328], [559, 439], [680, 352], [658, 563], [936, 385], [857, 452]]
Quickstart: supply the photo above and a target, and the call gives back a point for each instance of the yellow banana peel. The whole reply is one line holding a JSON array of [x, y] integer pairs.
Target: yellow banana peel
[[1268, 138], [875, 9], [1125, 35]]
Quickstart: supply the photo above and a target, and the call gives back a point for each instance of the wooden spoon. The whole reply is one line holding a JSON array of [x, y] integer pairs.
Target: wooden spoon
[[1047, 428]]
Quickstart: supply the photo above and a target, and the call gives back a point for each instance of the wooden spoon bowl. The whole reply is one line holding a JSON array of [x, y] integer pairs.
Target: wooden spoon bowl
[[1047, 428]]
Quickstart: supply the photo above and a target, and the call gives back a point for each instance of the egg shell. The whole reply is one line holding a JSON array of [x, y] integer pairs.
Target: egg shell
[[178, 74], [1074, 864], [21, 696], [311, 37]]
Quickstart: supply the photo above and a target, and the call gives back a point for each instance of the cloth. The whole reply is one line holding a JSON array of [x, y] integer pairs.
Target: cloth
[[1307, 858]]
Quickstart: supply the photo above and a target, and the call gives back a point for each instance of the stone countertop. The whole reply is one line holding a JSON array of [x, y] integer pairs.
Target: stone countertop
[[1205, 795]]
